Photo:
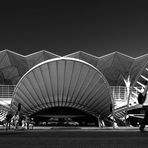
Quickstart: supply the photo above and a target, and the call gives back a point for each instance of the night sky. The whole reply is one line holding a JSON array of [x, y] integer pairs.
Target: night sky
[[63, 27]]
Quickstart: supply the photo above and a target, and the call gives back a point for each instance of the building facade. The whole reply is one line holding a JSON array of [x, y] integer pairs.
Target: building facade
[[78, 81]]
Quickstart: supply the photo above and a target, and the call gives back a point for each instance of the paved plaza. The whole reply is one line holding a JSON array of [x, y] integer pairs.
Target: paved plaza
[[71, 137]]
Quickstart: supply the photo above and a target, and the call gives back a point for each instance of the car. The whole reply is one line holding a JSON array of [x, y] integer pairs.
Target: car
[[53, 121], [71, 122]]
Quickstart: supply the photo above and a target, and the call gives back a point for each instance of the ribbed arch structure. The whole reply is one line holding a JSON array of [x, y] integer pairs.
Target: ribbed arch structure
[[63, 82]]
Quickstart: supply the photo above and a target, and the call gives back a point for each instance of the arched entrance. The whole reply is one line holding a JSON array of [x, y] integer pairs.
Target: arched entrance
[[64, 116]]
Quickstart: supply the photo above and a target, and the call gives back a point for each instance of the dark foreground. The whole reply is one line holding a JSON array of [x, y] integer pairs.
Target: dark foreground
[[73, 138]]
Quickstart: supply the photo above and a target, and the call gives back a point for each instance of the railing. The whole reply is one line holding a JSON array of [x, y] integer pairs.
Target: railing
[[118, 92], [6, 91]]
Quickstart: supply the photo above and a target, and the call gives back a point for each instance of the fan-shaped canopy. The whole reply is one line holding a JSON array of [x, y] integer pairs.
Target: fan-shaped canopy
[[63, 82]]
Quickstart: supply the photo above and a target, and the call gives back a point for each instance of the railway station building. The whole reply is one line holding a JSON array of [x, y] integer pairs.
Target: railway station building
[[77, 86]]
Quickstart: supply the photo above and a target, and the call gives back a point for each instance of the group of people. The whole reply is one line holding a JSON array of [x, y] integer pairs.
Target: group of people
[[17, 121]]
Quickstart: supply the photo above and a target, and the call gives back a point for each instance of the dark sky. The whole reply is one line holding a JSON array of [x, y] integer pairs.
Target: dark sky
[[64, 27]]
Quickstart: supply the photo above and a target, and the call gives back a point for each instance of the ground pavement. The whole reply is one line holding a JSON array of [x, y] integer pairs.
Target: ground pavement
[[74, 137]]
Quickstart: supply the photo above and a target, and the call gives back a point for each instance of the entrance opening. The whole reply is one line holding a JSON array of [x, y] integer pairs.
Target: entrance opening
[[64, 116]]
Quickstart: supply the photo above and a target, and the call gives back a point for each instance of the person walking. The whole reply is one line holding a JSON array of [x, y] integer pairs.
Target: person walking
[[23, 122], [145, 107], [27, 120], [8, 120], [16, 120]]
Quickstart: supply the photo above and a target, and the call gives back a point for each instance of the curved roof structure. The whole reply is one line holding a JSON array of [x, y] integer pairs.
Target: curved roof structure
[[63, 82]]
